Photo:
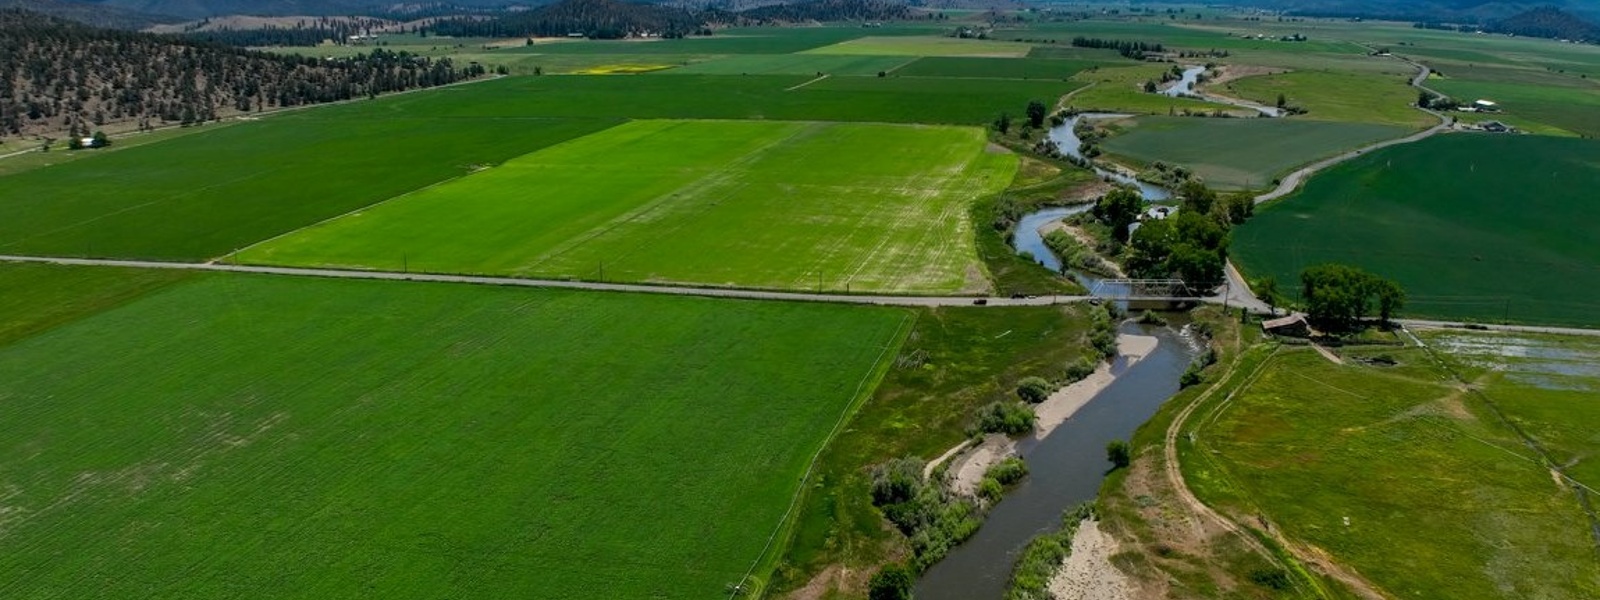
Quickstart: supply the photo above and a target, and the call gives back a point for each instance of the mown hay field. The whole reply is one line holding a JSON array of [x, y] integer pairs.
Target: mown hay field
[[279, 437], [1474, 226], [840, 207]]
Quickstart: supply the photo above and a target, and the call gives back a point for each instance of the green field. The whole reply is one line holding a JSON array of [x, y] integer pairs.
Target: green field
[[202, 196], [795, 64], [764, 97], [995, 68], [1339, 96], [36, 297], [1474, 226], [272, 437], [1121, 89], [1543, 383], [1398, 474], [924, 46], [207, 194], [749, 204], [1239, 153]]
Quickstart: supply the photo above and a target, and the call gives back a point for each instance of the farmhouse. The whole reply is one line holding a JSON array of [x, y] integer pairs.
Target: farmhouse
[[1495, 127], [1294, 325]]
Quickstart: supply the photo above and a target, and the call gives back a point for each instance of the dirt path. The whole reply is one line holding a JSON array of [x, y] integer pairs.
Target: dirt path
[[967, 470], [1308, 555], [1088, 574], [1328, 354]]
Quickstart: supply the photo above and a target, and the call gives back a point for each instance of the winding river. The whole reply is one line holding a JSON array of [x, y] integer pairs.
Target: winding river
[[1026, 238], [1065, 469]]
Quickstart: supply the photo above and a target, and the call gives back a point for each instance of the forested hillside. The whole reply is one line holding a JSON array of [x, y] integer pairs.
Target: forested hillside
[[612, 19], [1548, 22], [98, 15], [58, 76], [600, 19]]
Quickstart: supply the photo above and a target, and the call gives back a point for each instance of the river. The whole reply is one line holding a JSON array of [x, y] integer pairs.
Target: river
[[1064, 470]]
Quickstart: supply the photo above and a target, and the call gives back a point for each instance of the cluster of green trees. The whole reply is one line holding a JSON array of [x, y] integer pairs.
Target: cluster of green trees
[[1338, 297], [1127, 48], [925, 511], [305, 32], [57, 75], [1191, 245]]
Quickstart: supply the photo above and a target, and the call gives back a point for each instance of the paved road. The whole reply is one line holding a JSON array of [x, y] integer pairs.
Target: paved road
[[561, 284]]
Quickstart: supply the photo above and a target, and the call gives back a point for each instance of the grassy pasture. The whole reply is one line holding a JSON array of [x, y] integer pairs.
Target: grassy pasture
[[1442, 500], [207, 194], [795, 64], [1545, 384], [1339, 96], [1120, 89], [995, 68], [924, 46], [781, 97], [752, 204], [953, 362], [275, 437], [1239, 153], [1475, 226]]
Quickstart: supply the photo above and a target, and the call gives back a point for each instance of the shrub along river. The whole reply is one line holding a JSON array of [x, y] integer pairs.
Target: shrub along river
[[1065, 469], [1067, 465]]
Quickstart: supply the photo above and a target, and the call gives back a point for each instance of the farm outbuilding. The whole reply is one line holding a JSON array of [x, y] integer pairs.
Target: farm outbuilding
[[1294, 325], [1486, 106]]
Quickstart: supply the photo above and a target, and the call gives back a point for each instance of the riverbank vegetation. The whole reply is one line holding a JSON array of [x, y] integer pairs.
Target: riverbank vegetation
[[954, 362], [1042, 557]]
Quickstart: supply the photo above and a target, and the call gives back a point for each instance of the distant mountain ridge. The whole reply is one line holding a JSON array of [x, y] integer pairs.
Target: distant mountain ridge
[[1477, 12], [90, 13], [1548, 22], [199, 9], [614, 19]]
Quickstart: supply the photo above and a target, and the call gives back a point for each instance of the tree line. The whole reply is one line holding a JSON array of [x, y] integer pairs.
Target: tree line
[[615, 19], [302, 33], [1127, 48], [56, 75]]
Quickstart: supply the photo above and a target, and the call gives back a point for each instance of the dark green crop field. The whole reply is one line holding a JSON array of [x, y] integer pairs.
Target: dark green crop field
[[37, 297], [780, 97], [202, 196], [996, 68], [1475, 226], [1240, 153], [273, 437]]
